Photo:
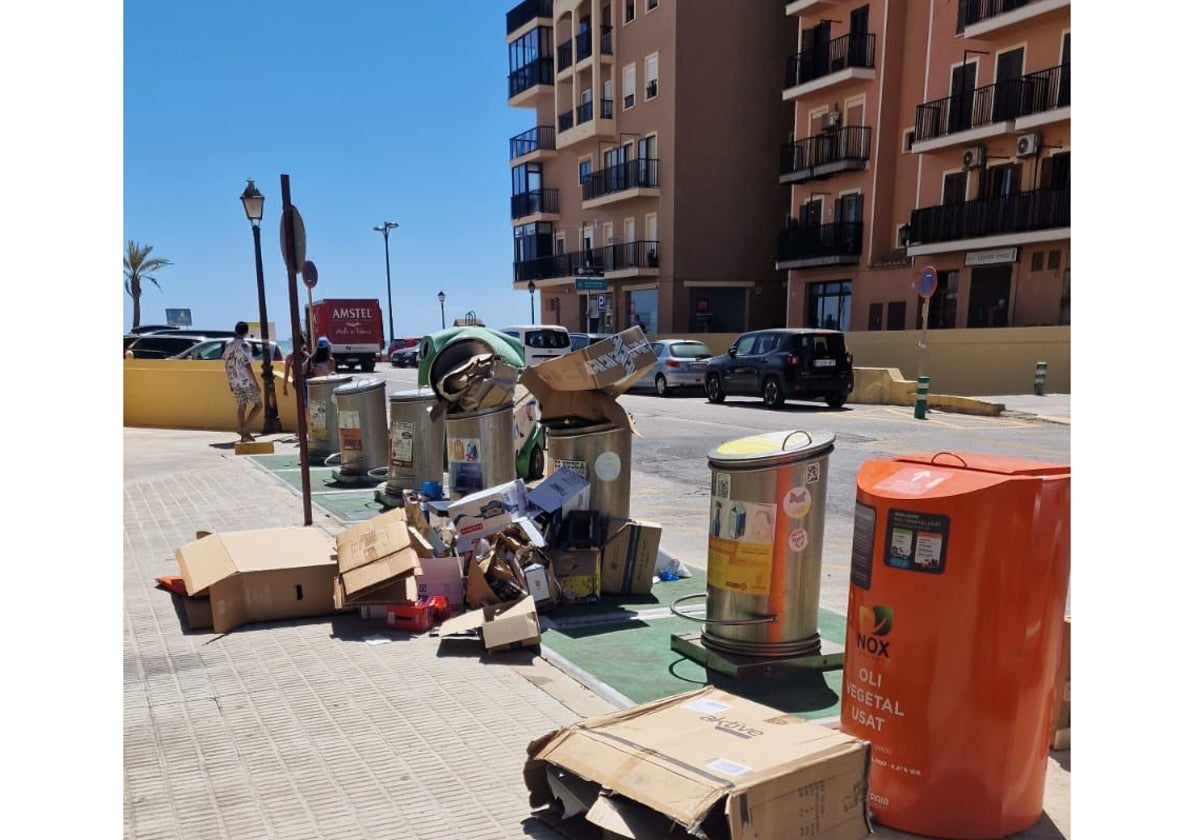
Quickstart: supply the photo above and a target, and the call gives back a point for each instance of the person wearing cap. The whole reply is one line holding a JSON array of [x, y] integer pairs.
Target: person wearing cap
[[243, 383], [323, 362]]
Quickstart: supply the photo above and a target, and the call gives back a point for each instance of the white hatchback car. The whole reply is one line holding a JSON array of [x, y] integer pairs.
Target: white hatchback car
[[540, 341], [679, 363]]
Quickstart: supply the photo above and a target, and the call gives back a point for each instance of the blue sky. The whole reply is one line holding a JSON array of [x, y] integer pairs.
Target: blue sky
[[376, 111]]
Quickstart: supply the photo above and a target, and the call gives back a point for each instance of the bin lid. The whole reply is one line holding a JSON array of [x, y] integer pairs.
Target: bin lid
[[772, 449], [998, 464], [332, 379], [414, 394], [359, 386]]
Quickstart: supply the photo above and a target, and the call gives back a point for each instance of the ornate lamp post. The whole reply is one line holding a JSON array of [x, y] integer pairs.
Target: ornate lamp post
[[442, 302], [532, 289], [386, 228], [252, 203]]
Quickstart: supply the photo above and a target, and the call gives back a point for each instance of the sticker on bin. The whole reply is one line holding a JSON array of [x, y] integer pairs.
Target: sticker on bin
[[913, 480], [796, 502]]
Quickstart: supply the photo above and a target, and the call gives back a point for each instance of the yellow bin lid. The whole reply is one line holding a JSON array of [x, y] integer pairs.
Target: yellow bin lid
[[773, 449]]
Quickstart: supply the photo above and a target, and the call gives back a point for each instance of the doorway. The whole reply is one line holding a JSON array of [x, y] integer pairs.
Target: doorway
[[988, 301], [1006, 99], [962, 96]]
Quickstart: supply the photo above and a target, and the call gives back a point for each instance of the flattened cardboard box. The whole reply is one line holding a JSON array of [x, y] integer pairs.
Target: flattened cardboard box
[[373, 553], [502, 626], [708, 757], [612, 365], [629, 556], [267, 574]]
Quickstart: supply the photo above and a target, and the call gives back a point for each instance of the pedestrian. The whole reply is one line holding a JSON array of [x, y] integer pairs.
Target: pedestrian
[[323, 362], [239, 369], [297, 364]]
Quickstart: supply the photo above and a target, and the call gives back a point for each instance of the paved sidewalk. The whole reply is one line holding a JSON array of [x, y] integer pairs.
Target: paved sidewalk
[[306, 729]]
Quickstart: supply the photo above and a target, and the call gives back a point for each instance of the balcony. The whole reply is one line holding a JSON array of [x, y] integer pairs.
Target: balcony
[[564, 55], [1000, 108], [801, 7], [540, 71], [530, 10], [825, 154], [845, 59], [583, 45], [807, 246], [631, 179], [992, 18], [542, 203], [579, 124], [606, 39], [619, 261], [532, 142], [996, 222]]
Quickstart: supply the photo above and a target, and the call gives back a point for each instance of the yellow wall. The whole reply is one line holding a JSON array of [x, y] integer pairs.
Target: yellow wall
[[170, 394], [964, 362]]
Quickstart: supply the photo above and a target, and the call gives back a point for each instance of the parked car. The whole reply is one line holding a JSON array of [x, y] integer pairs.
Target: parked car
[[399, 344], [405, 357], [581, 340], [783, 364], [160, 345], [540, 341], [213, 349], [680, 363]]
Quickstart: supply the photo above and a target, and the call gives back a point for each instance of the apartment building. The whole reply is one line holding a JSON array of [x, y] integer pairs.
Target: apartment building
[[646, 190], [928, 135]]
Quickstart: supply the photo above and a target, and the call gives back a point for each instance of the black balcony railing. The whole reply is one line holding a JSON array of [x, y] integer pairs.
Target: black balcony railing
[[830, 57], [583, 113], [619, 257], [535, 139], [974, 11], [629, 100], [632, 174], [534, 201], [564, 55], [1033, 93], [540, 71], [811, 242], [583, 44], [1013, 213], [606, 40], [565, 120], [524, 12], [606, 109], [850, 144]]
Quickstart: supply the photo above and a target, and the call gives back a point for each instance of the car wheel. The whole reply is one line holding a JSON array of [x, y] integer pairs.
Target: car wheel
[[397, 363], [772, 393], [660, 385], [713, 390], [836, 400], [537, 463], [368, 365]]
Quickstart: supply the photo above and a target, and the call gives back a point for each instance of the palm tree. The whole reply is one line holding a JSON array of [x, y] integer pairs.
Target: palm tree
[[138, 267]]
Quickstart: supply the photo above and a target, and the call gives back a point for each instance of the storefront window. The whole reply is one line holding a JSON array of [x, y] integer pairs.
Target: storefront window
[[829, 305], [641, 308]]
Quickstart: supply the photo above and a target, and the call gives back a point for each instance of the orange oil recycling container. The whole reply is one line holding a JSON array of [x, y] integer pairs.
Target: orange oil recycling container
[[958, 588]]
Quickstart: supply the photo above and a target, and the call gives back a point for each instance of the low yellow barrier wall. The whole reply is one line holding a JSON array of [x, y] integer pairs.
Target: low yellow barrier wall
[[176, 394]]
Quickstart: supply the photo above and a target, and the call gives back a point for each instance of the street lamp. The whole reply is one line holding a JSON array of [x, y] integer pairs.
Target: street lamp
[[385, 228], [442, 303], [532, 287], [252, 203]]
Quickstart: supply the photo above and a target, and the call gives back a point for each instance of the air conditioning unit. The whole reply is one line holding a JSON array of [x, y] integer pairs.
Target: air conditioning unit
[[974, 157], [1028, 144]]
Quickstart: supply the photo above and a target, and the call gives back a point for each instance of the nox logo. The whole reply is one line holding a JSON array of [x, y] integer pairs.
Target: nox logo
[[733, 727], [873, 623]]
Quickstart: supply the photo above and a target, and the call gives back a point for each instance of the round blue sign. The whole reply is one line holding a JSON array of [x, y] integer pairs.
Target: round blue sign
[[928, 281], [309, 274]]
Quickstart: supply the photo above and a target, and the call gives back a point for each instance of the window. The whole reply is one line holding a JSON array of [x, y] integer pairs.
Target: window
[[1038, 261], [629, 85], [629, 10], [875, 317], [1001, 180], [745, 345], [1053, 260], [651, 5], [895, 315], [1056, 172], [954, 188], [652, 76], [909, 136], [828, 301], [585, 170], [642, 309]]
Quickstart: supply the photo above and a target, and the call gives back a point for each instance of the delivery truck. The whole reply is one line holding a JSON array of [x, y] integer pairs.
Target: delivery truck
[[354, 326]]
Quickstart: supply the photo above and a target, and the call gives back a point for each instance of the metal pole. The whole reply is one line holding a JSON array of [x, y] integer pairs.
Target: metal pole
[[271, 424], [443, 303], [1039, 379], [289, 247], [922, 397], [387, 260], [532, 319]]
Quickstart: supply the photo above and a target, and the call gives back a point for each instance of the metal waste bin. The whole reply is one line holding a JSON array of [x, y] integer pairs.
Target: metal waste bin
[[417, 448], [766, 528], [321, 414], [362, 429], [598, 452], [480, 449], [958, 587]]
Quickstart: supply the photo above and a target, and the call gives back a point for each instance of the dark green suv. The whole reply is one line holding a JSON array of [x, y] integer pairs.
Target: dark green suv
[[783, 364]]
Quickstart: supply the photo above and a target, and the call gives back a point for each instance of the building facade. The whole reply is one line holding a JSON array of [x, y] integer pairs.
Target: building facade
[[647, 190], [928, 136]]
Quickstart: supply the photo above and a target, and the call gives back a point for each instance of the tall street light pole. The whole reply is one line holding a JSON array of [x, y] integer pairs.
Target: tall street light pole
[[442, 302], [252, 203], [385, 228], [532, 288]]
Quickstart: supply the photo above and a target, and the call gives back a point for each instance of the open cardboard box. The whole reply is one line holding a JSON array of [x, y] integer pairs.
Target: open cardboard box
[[267, 574], [705, 763], [372, 556], [500, 626]]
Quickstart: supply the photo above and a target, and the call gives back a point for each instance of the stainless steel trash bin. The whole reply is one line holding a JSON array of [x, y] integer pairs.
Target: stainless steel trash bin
[[480, 449], [417, 447], [361, 428], [766, 528], [321, 415], [598, 452]]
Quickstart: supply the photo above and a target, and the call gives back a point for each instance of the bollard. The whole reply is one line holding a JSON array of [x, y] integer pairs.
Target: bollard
[[1039, 380], [922, 396]]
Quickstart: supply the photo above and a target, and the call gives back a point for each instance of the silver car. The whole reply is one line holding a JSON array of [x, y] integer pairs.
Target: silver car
[[679, 363]]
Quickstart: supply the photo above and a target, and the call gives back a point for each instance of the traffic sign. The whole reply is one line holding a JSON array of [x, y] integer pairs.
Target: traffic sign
[[298, 239], [928, 282], [309, 274], [590, 284]]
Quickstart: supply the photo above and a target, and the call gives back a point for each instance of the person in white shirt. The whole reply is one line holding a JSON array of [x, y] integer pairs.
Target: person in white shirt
[[242, 382]]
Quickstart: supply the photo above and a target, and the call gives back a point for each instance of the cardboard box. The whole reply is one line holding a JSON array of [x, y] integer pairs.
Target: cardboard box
[[562, 490], [501, 626], [707, 757], [260, 575], [373, 553], [488, 511], [380, 596], [437, 576], [578, 574], [629, 556], [612, 365]]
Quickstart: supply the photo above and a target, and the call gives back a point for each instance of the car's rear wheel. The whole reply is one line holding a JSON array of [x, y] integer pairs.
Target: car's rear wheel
[[660, 385], [836, 400], [368, 365], [772, 393], [713, 390]]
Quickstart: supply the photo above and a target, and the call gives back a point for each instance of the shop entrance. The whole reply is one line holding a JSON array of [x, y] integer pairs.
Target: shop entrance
[[990, 296]]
